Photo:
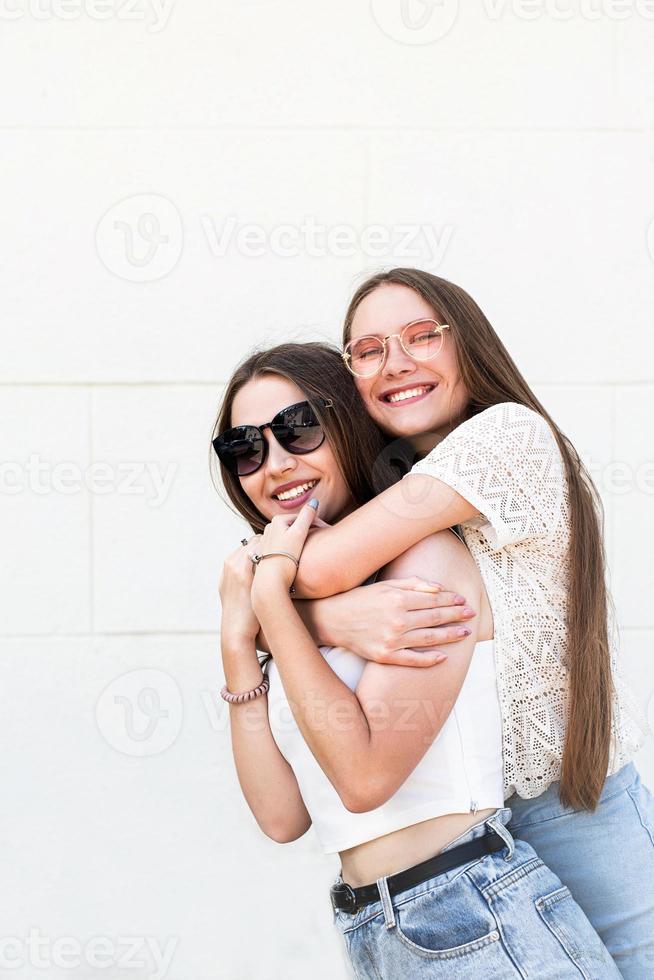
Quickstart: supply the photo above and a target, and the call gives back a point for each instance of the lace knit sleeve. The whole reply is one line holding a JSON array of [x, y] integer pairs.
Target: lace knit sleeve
[[505, 461]]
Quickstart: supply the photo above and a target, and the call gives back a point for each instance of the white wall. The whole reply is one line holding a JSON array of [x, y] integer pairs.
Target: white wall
[[179, 183]]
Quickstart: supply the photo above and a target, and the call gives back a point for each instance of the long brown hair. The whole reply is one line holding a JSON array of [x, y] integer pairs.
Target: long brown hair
[[490, 376], [357, 443]]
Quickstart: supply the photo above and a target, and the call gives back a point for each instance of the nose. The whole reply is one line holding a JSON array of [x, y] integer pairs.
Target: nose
[[397, 360], [278, 460]]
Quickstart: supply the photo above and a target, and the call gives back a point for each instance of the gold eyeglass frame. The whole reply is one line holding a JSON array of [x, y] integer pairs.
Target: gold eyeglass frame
[[347, 357]]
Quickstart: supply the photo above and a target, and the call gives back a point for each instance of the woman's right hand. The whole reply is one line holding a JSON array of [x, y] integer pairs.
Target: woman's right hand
[[238, 621], [399, 621]]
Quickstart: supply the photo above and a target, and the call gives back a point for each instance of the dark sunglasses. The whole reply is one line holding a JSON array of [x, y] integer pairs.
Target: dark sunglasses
[[243, 449]]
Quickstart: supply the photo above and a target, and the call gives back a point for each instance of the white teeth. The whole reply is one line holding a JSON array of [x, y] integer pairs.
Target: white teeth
[[295, 491], [401, 396]]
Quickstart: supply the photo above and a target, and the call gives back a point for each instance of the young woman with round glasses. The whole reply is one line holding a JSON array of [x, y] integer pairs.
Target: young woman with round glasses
[[491, 460], [399, 770]]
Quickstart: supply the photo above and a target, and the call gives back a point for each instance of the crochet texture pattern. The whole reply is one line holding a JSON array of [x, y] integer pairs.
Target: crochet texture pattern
[[505, 461]]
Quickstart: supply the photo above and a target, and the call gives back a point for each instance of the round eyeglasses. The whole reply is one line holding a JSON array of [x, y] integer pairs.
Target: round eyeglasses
[[420, 339]]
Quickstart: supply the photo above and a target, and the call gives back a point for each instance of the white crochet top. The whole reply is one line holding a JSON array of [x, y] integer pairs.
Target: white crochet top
[[505, 461]]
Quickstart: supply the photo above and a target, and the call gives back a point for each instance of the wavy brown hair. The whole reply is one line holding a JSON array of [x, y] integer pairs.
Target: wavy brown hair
[[356, 441], [491, 376]]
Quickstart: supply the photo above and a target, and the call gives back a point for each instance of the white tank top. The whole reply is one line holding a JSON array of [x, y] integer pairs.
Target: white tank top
[[461, 772]]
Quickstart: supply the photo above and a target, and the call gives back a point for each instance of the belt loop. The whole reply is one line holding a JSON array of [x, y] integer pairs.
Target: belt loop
[[387, 905], [496, 824]]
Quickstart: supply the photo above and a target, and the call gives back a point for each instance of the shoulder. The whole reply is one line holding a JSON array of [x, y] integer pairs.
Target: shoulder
[[505, 425], [507, 414], [433, 556], [504, 431]]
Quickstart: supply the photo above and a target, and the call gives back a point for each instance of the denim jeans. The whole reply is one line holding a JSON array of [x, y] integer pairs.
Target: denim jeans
[[501, 916], [606, 859]]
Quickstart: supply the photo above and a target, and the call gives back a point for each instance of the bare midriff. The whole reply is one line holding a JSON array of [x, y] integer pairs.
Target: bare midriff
[[363, 864]]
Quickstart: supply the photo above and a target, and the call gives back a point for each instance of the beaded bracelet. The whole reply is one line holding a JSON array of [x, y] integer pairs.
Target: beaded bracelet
[[245, 695]]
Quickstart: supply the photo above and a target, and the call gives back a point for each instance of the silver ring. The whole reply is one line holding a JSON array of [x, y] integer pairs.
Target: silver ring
[[255, 558]]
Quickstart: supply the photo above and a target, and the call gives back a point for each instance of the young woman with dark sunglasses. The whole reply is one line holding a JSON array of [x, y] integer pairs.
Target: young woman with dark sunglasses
[[399, 770]]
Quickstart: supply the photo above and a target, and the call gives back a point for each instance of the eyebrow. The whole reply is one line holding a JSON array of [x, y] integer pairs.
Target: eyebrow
[[257, 425], [380, 334]]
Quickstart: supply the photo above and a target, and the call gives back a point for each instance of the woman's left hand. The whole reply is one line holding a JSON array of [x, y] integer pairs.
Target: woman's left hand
[[238, 624], [284, 533]]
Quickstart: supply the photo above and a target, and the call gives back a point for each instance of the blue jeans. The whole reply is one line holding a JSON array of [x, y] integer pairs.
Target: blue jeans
[[606, 859], [501, 916]]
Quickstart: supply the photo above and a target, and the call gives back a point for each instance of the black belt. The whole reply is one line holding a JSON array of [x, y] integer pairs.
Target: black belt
[[350, 899]]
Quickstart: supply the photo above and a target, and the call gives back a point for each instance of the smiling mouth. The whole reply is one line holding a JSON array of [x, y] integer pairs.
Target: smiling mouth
[[408, 395], [295, 493]]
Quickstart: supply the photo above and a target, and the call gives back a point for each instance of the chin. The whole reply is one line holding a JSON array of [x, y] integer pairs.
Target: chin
[[328, 512], [407, 427]]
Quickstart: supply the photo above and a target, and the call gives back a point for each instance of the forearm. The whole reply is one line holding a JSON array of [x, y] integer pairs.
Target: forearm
[[336, 559], [320, 618], [266, 779], [328, 714]]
